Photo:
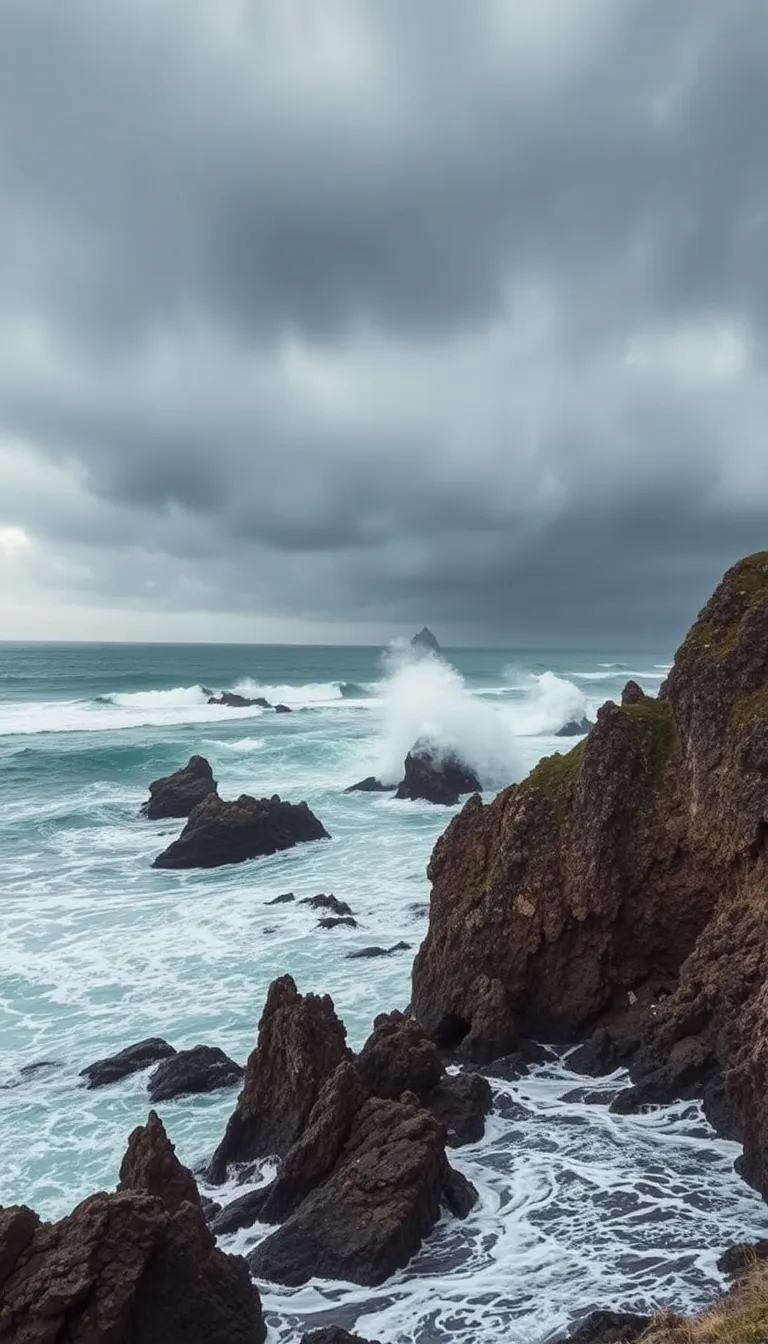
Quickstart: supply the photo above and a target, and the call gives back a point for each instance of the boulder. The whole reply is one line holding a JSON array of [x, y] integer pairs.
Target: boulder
[[221, 832], [365, 953], [285, 899], [231, 700], [333, 1334], [204, 1068], [633, 870], [300, 1043], [370, 1216], [283, 709], [461, 1102], [435, 776], [608, 1327], [175, 795], [370, 785], [136, 1267], [130, 1060], [425, 641], [575, 727], [330, 902], [334, 921], [399, 1057]]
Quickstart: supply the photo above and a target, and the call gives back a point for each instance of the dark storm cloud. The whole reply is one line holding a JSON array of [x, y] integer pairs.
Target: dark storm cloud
[[386, 311]]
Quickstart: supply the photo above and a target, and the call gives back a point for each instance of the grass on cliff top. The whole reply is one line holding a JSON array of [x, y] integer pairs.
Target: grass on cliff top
[[740, 1317], [651, 719], [748, 580]]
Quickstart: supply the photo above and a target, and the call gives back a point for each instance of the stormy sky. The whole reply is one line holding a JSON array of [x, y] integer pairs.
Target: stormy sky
[[323, 320]]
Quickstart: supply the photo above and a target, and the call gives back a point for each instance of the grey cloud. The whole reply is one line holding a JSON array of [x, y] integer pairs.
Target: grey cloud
[[380, 310]]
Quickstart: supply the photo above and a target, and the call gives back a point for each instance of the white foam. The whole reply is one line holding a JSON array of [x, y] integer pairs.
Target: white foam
[[550, 703], [423, 697]]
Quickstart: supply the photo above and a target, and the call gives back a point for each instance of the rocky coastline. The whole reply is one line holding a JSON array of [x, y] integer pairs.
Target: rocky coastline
[[615, 902]]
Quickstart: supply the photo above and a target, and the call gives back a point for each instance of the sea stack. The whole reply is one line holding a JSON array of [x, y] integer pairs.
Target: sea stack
[[425, 641]]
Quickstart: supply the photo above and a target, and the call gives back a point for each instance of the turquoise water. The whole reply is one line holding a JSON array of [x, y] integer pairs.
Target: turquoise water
[[97, 950]]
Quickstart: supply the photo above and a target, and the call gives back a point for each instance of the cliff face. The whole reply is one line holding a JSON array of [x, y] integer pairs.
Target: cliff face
[[628, 878]]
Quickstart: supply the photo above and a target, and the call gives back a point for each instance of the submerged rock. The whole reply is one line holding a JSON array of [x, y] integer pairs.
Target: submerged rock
[[425, 641], [370, 785], [130, 1060], [635, 864], [436, 777], [383, 1197], [329, 902], [301, 1042], [221, 832], [575, 727], [175, 795], [205, 1068], [285, 899], [364, 953], [283, 709], [336, 921], [231, 700], [136, 1267]]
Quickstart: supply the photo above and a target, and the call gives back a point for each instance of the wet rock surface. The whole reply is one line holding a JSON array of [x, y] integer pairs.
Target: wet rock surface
[[461, 1102], [608, 1327], [231, 700], [436, 777], [333, 1334], [329, 902], [370, 785], [135, 1267], [204, 1068], [300, 1043], [575, 728], [220, 832], [175, 795], [130, 1060], [365, 953]]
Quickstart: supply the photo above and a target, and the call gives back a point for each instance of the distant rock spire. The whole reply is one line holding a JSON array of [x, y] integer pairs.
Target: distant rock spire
[[425, 640]]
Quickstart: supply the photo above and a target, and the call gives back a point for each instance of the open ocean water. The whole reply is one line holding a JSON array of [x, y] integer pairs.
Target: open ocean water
[[578, 1207]]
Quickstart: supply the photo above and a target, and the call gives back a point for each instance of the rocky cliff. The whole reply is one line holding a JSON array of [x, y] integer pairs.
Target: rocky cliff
[[621, 888]]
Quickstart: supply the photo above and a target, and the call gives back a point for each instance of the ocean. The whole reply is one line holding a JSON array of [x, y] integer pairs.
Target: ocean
[[578, 1207]]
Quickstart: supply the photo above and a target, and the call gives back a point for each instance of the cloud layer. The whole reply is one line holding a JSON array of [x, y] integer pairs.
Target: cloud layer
[[325, 320]]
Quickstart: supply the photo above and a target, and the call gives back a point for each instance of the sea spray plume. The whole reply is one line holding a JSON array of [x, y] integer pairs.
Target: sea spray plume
[[550, 702], [423, 698]]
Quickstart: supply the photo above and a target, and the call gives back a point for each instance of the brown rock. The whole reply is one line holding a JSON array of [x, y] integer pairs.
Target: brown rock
[[175, 795], [632, 865], [435, 776], [220, 832], [128, 1268], [399, 1057], [461, 1103], [372, 1214], [131, 1060], [632, 694], [301, 1042]]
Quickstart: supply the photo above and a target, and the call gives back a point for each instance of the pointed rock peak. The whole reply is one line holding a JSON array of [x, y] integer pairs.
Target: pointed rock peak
[[150, 1165], [425, 640]]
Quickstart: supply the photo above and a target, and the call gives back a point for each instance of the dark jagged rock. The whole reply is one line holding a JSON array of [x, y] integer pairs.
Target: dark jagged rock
[[329, 902], [136, 1267], [335, 921], [608, 1327], [205, 1068], [399, 1057], [150, 1165], [575, 727], [286, 897], [364, 953], [738, 1260], [221, 832], [283, 709], [370, 785], [436, 777], [241, 1212], [425, 641], [175, 795], [632, 694], [371, 1215], [637, 862], [231, 700], [461, 1102], [301, 1042], [333, 1334], [130, 1060]]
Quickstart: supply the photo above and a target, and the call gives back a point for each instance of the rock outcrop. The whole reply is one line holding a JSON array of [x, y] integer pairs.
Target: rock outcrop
[[575, 727], [136, 1267], [204, 1068], [132, 1059], [175, 795], [425, 641], [231, 700], [623, 888], [300, 1043], [220, 832], [435, 776], [370, 785], [370, 1216]]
